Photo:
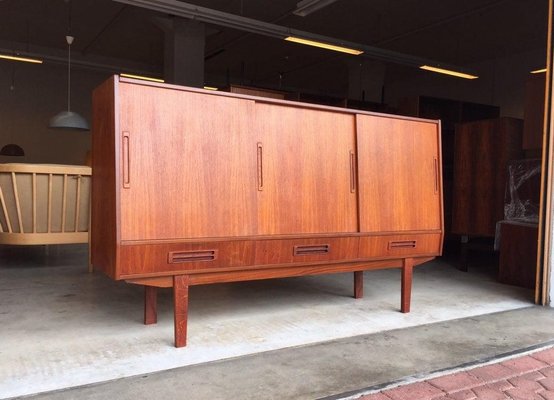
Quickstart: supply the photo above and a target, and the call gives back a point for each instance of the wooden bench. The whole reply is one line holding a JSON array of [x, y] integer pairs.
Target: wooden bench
[[44, 204]]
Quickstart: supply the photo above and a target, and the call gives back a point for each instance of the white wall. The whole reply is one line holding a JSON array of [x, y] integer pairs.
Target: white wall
[[40, 92]]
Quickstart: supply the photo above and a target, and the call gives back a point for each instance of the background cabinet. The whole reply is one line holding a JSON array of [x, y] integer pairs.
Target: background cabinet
[[483, 149], [534, 111]]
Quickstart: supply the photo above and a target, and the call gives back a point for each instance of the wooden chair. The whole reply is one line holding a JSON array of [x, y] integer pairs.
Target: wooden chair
[[44, 204]]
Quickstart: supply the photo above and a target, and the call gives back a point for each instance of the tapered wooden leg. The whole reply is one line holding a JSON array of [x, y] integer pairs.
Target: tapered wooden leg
[[358, 284], [150, 305], [180, 308], [407, 269]]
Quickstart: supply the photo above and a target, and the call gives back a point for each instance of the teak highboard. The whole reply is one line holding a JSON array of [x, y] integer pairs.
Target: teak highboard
[[196, 187]]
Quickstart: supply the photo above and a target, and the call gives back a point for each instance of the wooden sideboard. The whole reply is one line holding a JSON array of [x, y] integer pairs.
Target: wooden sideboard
[[196, 187]]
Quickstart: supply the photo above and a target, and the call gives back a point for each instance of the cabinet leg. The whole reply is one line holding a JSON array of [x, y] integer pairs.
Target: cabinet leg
[[358, 284], [150, 305], [180, 308], [406, 291]]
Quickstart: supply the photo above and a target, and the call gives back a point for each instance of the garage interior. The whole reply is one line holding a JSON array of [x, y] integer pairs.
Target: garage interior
[[81, 328]]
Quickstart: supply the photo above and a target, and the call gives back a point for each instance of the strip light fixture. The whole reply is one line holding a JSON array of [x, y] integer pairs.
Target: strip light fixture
[[448, 72], [324, 45], [22, 59], [216, 17], [144, 78], [539, 71]]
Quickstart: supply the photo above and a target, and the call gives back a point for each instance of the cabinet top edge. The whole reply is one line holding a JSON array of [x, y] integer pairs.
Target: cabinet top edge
[[270, 100]]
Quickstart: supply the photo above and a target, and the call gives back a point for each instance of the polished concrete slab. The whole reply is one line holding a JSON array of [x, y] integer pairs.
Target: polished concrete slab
[[63, 327], [340, 369]]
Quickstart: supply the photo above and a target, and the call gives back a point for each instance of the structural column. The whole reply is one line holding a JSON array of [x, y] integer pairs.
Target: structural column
[[184, 49]]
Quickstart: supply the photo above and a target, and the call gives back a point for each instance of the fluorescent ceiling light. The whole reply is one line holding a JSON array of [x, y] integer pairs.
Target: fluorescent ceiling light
[[144, 78], [538, 71], [448, 72], [306, 7], [23, 59], [324, 45], [210, 88]]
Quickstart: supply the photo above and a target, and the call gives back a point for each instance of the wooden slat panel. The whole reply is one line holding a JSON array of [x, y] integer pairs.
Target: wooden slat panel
[[64, 201], [77, 203], [45, 168], [35, 200], [5, 211], [49, 203], [43, 238], [34, 203], [17, 204]]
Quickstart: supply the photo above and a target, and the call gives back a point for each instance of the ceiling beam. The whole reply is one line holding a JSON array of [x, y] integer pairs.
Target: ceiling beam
[[93, 62], [210, 16]]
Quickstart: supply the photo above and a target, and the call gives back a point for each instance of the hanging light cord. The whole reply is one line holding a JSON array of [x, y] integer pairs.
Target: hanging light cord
[[69, 40]]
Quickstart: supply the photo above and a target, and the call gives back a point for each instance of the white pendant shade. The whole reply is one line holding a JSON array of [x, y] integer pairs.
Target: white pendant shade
[[68, 120]]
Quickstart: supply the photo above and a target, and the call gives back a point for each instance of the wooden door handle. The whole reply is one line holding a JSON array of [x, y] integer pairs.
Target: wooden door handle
[[436, 166], [352, 172], [260, 150], [126, 161]]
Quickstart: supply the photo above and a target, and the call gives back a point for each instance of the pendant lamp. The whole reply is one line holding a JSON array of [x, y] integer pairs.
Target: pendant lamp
[[12, 150], [69, 119]]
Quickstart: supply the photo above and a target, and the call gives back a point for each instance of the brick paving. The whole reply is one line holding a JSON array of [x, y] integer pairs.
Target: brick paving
[[529, 377]]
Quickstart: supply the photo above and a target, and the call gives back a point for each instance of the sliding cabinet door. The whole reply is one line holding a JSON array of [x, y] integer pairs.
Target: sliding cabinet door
[[188, 165], [306, 170], [399, 175]]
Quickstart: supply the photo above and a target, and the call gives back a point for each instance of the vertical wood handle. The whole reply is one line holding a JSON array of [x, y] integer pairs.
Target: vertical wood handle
[[126, 161], [352, 172], [436, 166], [260, 150]]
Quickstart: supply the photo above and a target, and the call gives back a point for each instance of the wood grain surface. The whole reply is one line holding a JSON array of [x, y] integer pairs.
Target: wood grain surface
[[399, 175], [482, 152], [306, 171]]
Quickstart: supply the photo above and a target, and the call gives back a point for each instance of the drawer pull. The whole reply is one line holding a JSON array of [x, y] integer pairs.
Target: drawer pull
[[308, 250], [402, 244], [176, 257]]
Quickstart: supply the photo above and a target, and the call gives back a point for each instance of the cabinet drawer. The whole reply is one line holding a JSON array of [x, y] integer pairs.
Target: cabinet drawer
[[143, 259], [286, 251], [400, 245], [175, 257]]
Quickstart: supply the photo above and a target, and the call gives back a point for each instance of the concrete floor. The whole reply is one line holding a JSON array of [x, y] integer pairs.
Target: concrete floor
[[340, 369], [62, 327]]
